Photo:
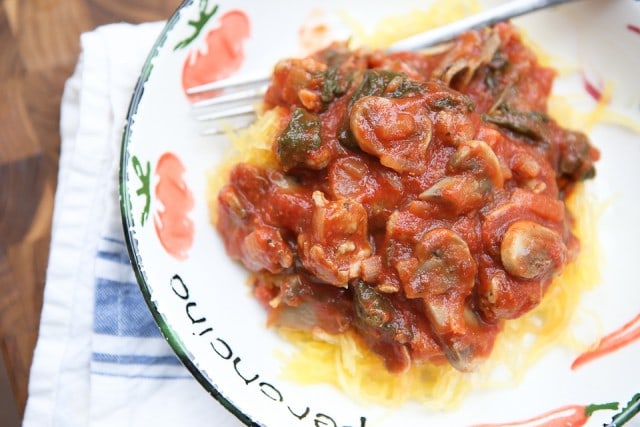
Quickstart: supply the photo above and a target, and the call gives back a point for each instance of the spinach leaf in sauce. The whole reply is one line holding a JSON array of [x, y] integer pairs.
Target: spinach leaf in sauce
[[299, 138], [372, 308], [385, 83], [531, 124], [334, 84]]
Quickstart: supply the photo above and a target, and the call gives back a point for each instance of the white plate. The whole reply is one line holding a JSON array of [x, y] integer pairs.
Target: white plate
[[200, 298]]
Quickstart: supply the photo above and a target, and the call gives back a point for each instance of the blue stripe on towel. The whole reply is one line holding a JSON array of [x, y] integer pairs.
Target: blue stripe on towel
[[119, 257], [120, 310], [134, 359], [144, 376], [113, 240]]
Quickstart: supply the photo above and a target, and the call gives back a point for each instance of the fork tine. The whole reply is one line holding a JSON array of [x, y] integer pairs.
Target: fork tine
[[219, 130], [241, 95], [231, 82], [243, 110], [240, 91], [229, 113]]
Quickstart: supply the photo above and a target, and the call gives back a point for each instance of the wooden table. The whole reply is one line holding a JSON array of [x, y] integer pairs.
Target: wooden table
[[39, 46]]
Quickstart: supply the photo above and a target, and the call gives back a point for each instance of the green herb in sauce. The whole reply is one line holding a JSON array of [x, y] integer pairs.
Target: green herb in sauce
[[385, 83], [300, 137]]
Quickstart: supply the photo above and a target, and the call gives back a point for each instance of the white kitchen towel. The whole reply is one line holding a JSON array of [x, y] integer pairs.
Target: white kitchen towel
[[100, 359]]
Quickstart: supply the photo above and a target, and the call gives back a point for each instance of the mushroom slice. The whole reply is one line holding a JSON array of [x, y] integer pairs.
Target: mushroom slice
[[396, 130], [473, 172], [442, 264], [461, 64], [523, 205], [478, 158], [460, 193], [443, 274], [530, 250]]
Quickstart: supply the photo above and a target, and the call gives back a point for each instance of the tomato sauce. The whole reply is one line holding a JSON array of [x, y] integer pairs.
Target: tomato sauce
[[419, 199]]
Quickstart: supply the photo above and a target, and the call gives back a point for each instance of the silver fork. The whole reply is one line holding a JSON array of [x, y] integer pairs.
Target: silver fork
[[238, 96]]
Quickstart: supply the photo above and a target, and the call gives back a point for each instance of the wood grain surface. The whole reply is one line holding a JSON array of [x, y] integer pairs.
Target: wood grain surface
[[39, 46]]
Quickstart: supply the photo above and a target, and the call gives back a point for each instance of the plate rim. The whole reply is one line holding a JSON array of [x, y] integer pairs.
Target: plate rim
[[128, 223], [130, 226]]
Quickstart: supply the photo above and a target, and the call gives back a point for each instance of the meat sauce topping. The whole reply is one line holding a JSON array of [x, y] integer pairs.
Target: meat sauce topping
[[419, 200]]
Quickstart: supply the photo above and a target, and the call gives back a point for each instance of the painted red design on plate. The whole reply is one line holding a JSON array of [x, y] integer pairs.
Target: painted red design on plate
[[565, 416], [633, 28], [595, 89], [171, 220], [615, 340], [221, 51]]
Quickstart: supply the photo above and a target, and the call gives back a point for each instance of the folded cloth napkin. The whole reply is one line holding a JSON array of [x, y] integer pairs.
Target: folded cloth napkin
[[100, 360]]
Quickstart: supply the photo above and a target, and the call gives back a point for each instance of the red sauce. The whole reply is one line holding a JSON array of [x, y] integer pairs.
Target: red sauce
[[173, 226], [419, 199]]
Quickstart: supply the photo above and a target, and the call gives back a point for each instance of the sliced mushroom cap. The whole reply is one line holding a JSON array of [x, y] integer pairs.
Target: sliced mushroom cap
[[396, 130], [474, 171], [460, 63], [479, 159], [460, 193], [530, 250], [442, 264], [523, 205]]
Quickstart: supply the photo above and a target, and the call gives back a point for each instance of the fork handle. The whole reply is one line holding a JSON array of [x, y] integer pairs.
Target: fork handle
[[499, 13]]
